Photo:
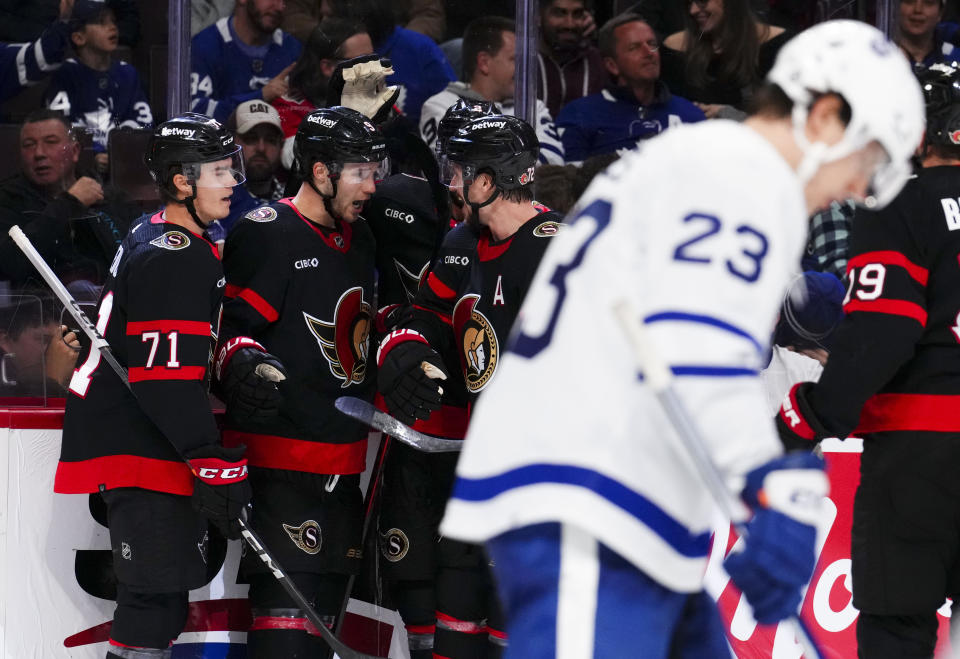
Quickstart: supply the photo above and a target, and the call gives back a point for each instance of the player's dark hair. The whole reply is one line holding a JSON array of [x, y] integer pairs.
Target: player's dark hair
[[483, 35], [734, 46], [606, 41], [555, 186], [772, 102], [518, 195], [46, 114], [944, 151], [325, 43]]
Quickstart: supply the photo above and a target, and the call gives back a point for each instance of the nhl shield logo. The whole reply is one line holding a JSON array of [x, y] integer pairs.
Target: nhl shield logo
[[394, 545], [345, 341], [480, 350], [307, 536]]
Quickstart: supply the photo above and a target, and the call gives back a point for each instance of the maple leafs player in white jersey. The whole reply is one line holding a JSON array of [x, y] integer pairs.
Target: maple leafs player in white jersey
[[571, 474]]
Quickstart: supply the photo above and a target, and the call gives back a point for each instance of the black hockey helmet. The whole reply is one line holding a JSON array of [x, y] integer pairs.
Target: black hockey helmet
[[459, 114], [940, 84], [335, 136], [505, 147], [182, 144]]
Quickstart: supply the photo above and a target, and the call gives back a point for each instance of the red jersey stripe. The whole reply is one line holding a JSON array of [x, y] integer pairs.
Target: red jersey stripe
[[488, 252], [892, 307], [140, 374], [254, 300], [197, 327], [113, 471], [889, 257], [273, 452], [920, 412], [445, 318], [440, 289]]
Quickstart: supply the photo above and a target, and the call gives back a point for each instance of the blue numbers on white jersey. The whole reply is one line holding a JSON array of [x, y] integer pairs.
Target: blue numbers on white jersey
[[529, 346], [746, 263]]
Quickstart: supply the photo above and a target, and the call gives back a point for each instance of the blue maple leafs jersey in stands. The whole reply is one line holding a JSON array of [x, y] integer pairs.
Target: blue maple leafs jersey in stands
[[226, 72], [100, 101]]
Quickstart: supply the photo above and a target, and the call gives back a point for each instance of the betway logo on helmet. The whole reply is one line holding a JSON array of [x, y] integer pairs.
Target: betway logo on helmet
[[323, 121], [488, 124], [168, 131]]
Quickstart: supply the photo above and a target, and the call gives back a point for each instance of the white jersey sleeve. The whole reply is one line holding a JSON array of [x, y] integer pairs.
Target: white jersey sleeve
[[700, 232]]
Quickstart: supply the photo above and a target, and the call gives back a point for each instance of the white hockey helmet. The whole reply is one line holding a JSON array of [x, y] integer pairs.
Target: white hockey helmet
[[858, 62]]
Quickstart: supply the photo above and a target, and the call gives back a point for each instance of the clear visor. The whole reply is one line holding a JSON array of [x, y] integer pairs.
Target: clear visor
[[360, 172], [225, 173], [455, 175]]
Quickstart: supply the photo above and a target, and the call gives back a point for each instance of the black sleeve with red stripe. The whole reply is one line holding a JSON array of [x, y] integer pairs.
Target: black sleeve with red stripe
[[448, 280], [168, 340], [256, 270], [886, 314]]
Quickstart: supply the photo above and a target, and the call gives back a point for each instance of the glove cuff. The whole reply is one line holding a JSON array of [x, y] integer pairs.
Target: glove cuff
[[792, 418], [395, 338], [380, 321], [228, 349], [216, 471]]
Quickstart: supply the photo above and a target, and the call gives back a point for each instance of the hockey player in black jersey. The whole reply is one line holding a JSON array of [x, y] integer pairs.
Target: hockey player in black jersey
[[893, 378], [300, 278], [153, 450], [465, 308]]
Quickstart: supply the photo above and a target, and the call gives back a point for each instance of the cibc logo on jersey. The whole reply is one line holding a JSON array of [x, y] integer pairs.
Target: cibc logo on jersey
[[480, 350], [345, 341]]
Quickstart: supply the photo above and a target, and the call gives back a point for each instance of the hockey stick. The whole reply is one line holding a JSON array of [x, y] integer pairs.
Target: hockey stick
[[367, 413], [659, 378], [246, 531]]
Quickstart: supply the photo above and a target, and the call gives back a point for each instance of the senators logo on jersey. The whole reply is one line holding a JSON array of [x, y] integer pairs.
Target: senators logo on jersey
[[411, 281], [345, 340], [480, 349]]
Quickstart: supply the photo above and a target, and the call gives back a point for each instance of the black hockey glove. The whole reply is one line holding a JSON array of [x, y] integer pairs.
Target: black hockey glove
[[249, 377], [360, 84], [407, 372], [221, 489], [797, 424]]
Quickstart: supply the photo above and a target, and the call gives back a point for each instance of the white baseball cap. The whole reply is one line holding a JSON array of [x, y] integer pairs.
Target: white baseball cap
[[256, 112]]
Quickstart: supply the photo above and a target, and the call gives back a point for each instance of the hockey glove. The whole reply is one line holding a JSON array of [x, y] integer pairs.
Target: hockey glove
[[797, 424], [408, 367], [360, 84], [221, 489], [786, 495], [249, 376]]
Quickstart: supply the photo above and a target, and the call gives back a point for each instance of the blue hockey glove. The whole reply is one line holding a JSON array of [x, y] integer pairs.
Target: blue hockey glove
[[786, 495]]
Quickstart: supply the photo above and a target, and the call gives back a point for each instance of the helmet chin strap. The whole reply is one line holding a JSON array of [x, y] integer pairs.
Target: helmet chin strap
[[816, 154], [327, 198], [188, 203], [477, 206]]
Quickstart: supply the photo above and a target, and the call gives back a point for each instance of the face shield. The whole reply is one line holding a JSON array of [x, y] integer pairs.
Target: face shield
[[225, 173], [360, 172], [456, 175]]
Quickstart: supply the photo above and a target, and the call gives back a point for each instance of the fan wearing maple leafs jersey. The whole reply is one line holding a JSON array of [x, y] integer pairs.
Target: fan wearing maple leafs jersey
[[465, 307], [300, 276]]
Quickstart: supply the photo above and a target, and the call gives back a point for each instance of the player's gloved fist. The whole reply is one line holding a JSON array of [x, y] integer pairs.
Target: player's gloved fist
[[360, 84], [390, 316], [407, 372], [250, 385], [787, 496], [797, 424], [220, 487]]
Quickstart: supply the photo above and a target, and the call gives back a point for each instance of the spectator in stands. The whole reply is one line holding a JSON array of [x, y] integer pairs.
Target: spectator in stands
[[96, 93], [24, 64], [721, 57], [332, 41], [419, 66], [427, 17], [25, 20], [555, 185], [923, 38], [256, 126], [489, 53], [204, 13], [637, 107], [828, 241], [74, 223], [570, 65], [241, 58], [37, 354]]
